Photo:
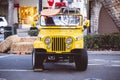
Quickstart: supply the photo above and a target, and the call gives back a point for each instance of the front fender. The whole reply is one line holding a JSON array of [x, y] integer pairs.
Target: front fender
[[39, 44], [79, 44]]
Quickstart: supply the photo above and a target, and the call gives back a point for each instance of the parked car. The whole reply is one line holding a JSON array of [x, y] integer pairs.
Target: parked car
[[3, 23]]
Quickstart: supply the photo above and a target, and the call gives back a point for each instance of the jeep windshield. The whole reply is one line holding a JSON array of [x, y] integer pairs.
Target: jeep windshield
[[61, 20]]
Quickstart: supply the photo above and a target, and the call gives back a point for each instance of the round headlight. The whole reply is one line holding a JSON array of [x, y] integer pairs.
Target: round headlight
[[47, 40], [69, 40]]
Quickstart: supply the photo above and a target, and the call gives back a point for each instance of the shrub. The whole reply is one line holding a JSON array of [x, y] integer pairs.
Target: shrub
[[33, 32], [103, 42]]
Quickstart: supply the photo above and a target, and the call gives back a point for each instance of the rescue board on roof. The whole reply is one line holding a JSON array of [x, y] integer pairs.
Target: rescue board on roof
[[50, 12]]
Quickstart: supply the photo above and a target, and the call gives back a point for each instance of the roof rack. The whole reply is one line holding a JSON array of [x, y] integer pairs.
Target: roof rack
[[66, 10]]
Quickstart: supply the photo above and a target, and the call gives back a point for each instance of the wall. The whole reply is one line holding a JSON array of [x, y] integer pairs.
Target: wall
[[95, 10], [27, 2], [106, 24], [112, 16], [113, 9]]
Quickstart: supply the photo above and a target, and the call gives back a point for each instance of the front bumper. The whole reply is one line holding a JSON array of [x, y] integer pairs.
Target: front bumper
[[57, 54]]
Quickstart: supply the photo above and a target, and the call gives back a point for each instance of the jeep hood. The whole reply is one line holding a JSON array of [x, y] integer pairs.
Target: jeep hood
[[74, 32]]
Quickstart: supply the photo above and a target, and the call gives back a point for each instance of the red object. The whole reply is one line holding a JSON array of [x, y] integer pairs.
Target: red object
[[60, 4], [16, 5], [50, 2]]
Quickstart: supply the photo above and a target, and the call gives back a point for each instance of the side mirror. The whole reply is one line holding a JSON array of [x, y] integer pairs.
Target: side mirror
[[87, 24]]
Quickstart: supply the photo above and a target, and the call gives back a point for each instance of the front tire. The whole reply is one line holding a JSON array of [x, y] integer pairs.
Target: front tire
[[37, 61], [81, 60]]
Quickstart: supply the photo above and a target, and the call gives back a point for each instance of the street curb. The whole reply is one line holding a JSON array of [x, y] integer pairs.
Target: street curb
[[103, 52]]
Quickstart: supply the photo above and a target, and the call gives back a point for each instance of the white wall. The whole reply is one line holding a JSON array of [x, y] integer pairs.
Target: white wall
[[80, 4], [27, 2], [15, 16]]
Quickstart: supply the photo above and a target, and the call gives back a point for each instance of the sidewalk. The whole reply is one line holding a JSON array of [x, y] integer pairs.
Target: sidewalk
[[104, 52]]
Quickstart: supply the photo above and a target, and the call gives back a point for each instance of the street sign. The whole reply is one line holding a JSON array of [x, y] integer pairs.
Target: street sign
[[50, 2]]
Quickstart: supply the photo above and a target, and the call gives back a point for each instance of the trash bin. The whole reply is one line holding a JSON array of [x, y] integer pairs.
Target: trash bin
[[8, 30]]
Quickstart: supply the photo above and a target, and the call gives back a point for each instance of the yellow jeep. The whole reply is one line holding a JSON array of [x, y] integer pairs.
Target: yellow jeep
[[60, 38]]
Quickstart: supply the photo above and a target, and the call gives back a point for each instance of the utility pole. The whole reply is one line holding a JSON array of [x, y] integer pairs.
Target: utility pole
[[40, 6], [89, 13], [10, 12]]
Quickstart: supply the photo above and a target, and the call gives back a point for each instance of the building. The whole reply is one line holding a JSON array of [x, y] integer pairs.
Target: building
[[104, 16], [24, 11]]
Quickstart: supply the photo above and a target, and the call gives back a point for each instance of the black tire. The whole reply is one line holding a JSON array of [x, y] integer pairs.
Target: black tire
[[81, 60], [33, 58], [37, 61]]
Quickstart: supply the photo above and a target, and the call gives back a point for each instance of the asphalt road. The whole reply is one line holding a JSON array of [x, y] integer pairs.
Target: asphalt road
[[100, 67]]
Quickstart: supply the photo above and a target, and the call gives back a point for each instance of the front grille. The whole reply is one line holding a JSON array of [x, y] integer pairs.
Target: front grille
[[58, 44]]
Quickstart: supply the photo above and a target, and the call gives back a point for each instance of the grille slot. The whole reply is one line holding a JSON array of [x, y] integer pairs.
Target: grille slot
[[58, 44]]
